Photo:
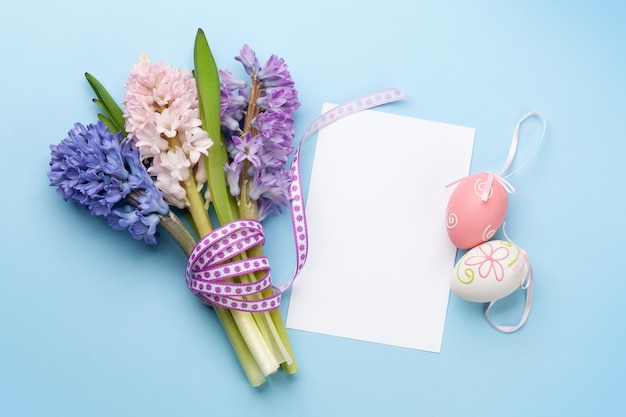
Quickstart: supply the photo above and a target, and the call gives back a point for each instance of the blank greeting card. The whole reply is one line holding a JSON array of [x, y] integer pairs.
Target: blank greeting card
[[379, 256]]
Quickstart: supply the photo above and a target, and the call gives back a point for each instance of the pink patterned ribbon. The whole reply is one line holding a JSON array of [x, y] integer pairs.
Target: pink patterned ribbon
[[208, 272], [298, 215]]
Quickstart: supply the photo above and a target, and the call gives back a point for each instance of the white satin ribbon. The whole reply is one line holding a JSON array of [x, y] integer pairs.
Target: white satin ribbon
[[501, 177], [489, 183], [527, 285], [515, 141]]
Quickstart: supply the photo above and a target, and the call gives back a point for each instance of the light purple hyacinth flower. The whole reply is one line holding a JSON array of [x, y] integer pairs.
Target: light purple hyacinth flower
[[264, 140]]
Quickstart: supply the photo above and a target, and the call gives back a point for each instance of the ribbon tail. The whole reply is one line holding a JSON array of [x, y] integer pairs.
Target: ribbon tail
[[297, 209], [529, 299], [488, 184]]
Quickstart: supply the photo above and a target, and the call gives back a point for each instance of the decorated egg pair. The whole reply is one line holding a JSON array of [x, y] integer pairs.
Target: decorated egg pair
[[491, 269]]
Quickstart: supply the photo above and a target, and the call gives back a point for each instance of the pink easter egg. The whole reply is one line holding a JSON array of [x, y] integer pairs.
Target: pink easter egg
[[471, 221]]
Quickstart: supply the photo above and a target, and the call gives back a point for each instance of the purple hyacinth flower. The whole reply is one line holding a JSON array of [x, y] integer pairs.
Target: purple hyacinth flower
[[275, 73], [270, 123], [126, 217], [246, 147], [271, 186], [233, 173], [249, 60], [269, 145], [280, 99], [230, 82], [232, 109], [93, 168]]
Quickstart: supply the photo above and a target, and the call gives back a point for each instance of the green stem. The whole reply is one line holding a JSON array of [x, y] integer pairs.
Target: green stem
[[173, 225], [289, 366], [259, 349], [273, 319], [253, 372], [244, 321], [196, 207]]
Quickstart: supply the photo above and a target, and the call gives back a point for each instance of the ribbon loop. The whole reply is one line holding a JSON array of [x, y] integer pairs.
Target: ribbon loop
[[501, 177], [207, 269], [527, 285], [515, 141]]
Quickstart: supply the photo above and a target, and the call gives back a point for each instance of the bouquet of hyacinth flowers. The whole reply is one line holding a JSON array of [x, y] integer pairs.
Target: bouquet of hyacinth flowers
[[183, 144]]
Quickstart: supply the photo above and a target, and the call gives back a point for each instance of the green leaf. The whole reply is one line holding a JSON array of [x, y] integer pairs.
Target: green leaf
[[208, 84], [107, 122], [104, 118], [101, 105], [107, 103]]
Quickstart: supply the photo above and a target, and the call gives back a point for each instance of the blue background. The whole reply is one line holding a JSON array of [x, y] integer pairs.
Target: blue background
[[95, 323]]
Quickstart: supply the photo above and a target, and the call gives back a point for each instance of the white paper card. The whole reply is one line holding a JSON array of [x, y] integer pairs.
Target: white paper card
[[379, 255]]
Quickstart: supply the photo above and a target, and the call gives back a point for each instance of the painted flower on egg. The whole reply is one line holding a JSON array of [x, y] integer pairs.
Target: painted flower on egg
[[488, 260], [489, 271]]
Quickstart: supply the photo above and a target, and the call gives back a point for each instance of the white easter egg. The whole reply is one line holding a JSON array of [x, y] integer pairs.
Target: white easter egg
[[489, 272]]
